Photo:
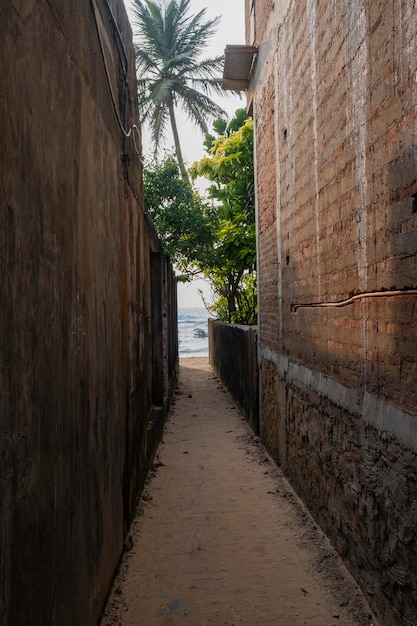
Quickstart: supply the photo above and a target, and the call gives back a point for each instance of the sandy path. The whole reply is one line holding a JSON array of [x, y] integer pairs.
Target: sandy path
[[220, 536]]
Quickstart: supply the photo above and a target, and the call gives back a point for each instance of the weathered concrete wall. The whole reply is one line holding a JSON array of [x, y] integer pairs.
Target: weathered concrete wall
[[76, 311], [335, 106], [233, 356]]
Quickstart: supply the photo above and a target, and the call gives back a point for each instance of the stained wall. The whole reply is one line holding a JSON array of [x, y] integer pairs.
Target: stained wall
[[77, 309], [233, 357], [335, 106]]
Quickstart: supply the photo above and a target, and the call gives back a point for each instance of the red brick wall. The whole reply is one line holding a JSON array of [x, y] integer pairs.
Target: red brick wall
[[335, 107], [347, 176], [258, 10]]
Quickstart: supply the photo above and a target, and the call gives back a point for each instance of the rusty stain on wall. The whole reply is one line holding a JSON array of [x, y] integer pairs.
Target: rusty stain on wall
[[77, 387]]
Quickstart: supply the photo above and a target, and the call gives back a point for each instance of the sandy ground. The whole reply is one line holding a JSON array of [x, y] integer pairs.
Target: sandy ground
[[220, 537]]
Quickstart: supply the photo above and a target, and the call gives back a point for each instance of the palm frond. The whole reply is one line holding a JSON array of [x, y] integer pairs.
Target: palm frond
[[171, 69], [198, 106]]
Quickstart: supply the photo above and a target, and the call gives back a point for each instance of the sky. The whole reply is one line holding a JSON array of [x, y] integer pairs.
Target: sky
[[231, 30]]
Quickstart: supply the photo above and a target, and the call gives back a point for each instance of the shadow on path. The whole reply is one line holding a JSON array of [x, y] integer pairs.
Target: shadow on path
[[220, 537]]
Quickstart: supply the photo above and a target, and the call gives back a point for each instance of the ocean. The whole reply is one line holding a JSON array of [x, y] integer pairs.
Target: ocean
[[188, 320]]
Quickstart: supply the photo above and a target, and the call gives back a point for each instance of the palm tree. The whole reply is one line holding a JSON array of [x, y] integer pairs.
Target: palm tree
[[169, 45]]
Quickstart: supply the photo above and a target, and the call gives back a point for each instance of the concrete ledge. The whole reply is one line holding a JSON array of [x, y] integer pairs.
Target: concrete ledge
[[384, 416]]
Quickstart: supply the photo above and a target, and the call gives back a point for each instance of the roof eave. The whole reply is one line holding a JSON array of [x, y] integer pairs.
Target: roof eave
[[238, 64]]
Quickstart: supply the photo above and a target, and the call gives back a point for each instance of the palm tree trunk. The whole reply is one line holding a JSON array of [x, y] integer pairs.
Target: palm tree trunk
[[178, 152]]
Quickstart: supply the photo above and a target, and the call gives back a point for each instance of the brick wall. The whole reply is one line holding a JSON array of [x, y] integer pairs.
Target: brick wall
[[335, 107]]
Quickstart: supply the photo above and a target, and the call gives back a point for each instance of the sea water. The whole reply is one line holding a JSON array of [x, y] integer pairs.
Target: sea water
[[188, 320]]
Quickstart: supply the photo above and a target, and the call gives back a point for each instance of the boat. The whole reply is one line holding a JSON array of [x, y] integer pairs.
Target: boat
[[199, 332]]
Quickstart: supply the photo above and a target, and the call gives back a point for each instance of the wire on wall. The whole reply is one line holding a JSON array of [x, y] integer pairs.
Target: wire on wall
[[119, 41], [359, 296], [132, 132]]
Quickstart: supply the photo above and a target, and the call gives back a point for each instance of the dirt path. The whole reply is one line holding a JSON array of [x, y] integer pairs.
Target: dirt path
[[220, 537]]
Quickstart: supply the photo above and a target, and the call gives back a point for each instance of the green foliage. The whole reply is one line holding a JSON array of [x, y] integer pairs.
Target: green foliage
[[179, 214], [244, 308], [217, 239], [170, 68], [232, 262], [222, 128]]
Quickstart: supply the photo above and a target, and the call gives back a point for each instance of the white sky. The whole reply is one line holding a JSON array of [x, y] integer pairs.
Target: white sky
[[231, 30]]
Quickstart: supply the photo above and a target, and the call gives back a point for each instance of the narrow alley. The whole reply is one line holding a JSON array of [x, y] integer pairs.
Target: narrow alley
[[220, 536]]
